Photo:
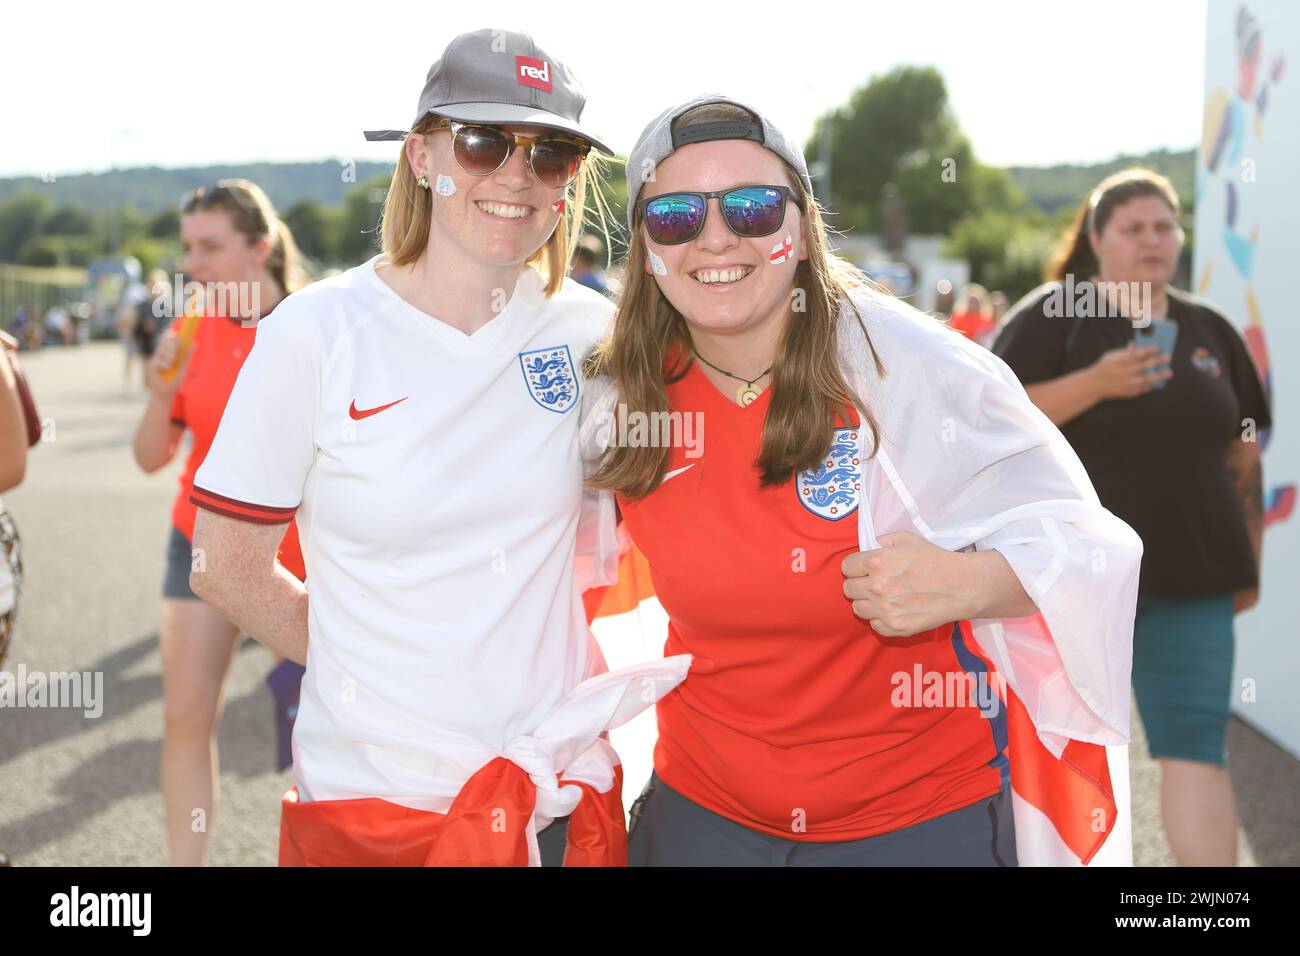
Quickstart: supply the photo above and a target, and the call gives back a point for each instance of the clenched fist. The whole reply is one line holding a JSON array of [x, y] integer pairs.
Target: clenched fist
[[908, 585], [904, 587]]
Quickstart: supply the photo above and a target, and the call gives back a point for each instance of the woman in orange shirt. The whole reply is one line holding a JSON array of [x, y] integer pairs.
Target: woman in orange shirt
[[240, 251]]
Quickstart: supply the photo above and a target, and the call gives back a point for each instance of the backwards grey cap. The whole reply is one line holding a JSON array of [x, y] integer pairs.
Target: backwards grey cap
[[500, 77], [659, 140]]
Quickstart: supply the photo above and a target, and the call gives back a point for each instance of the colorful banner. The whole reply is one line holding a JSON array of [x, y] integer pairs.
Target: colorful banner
[[1247, 212]]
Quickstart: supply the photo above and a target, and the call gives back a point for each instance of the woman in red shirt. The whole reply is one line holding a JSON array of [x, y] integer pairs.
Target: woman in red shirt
[[240, 251], [849, 545], [974, 319]]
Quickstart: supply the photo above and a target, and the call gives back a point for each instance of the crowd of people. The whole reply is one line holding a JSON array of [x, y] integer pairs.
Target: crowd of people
[[976, 313], [61, 324], [437, 661], [141, 315]]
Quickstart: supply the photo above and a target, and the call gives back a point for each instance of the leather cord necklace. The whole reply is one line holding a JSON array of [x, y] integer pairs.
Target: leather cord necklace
[[746, 394]]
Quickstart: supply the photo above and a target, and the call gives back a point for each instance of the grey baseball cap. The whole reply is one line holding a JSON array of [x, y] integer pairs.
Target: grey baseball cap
[[500, 77], [660, 140]]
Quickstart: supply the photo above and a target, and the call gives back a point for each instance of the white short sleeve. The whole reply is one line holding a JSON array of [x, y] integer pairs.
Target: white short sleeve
[[266, 443]]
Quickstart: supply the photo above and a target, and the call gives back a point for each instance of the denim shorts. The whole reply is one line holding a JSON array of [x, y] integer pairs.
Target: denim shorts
[[176, 576]]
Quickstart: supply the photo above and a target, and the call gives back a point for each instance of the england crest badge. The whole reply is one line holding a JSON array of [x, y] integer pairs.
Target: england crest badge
[[550, 377], [834, 489]]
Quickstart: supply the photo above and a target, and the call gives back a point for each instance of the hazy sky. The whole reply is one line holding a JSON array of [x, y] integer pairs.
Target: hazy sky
[[85, 87]]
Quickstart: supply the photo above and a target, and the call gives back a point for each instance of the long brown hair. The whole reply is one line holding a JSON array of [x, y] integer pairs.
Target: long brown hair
[[809, 388], [253, 217], [1074, 255], [408, 208]]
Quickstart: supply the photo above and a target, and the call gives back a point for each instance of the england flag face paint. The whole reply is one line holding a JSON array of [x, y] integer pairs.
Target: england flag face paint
[[557, 206], [657, 265], [782, 251], [445, 186]]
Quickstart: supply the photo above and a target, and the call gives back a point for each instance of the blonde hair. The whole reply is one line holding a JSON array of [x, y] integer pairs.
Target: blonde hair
[[408, 207], [809, 388], [253, 216]]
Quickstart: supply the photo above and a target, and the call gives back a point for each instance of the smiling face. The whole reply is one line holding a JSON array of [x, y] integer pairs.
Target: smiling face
[[499, 219], [1140, 242], [216, 252], [719, 281]]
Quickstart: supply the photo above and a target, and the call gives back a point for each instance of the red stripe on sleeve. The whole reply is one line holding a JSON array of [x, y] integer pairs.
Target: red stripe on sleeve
[[244, 510]]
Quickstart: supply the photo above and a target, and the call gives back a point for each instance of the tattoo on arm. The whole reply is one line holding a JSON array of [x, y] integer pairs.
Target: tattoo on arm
[[1248, 476]]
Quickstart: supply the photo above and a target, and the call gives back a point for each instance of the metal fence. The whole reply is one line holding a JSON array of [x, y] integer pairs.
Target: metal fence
[[38, 289]]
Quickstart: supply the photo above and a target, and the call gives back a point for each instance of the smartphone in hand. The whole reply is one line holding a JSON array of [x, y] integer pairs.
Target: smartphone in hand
[[1162, 334]]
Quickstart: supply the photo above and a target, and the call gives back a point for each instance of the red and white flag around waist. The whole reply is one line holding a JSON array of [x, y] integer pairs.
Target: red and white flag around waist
[[565, 768]]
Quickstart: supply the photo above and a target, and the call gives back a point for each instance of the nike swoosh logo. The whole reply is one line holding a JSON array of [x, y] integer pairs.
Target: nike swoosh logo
[[357, 414], [678, 471]]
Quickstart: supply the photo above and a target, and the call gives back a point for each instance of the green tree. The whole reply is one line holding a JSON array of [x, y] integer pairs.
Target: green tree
[[40, 251], [314, 229], [899, 130], [58, 251], [152, 253], [358, 237], [69, 220], [117, 225], [1006, 251], [164, 224], [21, 219]]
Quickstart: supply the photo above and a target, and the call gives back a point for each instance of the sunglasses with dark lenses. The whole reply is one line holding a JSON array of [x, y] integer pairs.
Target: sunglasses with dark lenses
[[749, 211], [481, 150]]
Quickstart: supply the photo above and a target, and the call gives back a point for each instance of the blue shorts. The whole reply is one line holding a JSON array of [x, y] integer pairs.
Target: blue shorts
[[667, 829], [1182, 675], [176, 576]]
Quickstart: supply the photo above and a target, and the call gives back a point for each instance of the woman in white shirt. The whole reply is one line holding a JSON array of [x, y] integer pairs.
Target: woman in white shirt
[[419, 415]]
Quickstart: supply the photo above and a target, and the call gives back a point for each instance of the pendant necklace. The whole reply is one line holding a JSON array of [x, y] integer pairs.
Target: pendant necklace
[[746, 394]]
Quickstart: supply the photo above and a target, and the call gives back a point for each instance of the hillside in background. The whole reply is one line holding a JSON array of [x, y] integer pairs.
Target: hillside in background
[[1053, 188], [151, 189]]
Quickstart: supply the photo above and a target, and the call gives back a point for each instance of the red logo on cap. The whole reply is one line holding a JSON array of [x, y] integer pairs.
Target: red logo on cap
[[533, 72]]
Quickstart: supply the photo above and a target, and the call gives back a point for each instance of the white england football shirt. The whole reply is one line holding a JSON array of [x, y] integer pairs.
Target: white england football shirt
[[436, 478]]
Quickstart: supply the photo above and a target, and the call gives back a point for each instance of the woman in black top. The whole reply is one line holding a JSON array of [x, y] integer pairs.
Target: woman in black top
[[1169, 442]]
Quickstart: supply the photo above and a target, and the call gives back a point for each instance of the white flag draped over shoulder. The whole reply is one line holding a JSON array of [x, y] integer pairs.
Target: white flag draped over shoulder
[[967, 461]]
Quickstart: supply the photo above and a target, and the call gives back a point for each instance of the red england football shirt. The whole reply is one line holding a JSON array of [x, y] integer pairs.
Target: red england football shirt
[[797, 719]]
